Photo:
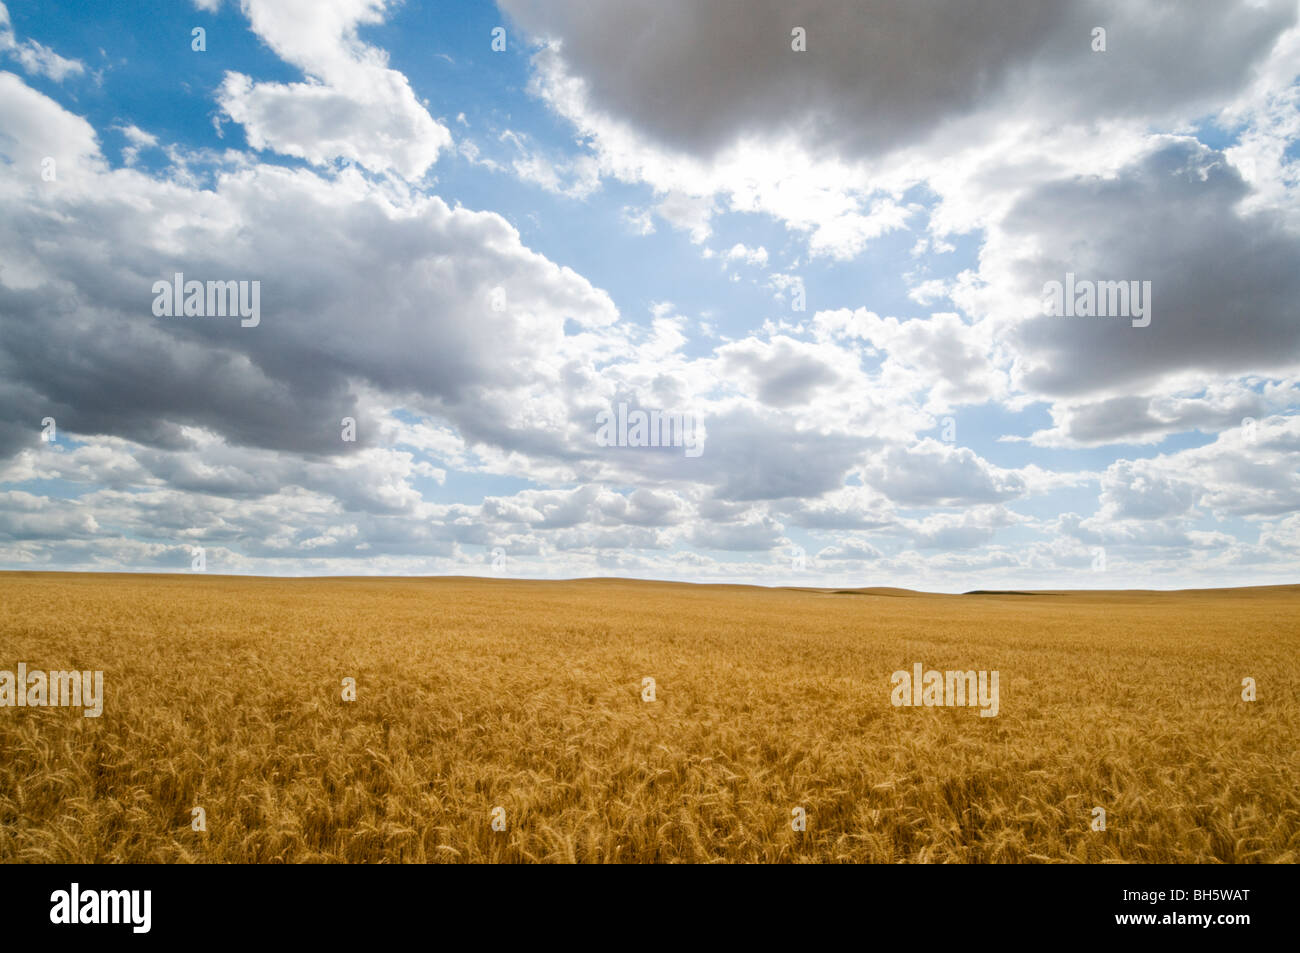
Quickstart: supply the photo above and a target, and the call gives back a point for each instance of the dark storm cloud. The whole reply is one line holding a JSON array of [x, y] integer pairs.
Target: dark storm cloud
[[697, 76], [1225, 286]]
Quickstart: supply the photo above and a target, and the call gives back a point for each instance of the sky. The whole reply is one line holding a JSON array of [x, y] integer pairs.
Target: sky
[[816, 243]]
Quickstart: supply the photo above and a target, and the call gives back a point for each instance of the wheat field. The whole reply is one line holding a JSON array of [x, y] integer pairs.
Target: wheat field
[[474, 695]]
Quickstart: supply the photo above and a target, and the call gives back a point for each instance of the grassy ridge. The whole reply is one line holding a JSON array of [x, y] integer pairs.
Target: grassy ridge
[[224, 692]]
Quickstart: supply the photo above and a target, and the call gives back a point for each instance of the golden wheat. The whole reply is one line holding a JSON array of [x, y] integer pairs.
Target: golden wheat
[[225, 693]]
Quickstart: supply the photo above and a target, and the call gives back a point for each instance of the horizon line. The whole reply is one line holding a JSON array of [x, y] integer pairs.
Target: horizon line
[[863, 590]]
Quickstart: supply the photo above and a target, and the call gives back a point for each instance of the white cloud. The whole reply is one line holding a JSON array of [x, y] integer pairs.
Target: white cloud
[[36, 58], [690, 213], [351, 106], [750, 256]]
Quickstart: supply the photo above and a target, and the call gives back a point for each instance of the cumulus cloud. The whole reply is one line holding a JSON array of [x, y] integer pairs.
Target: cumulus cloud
[[874, 78], [35, 58], [938, 474], [820, 139], [331, 325], [351, 106], [782, 372], [1169, 219]]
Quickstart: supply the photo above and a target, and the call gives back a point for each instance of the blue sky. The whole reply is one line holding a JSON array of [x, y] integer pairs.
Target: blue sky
[[472, 252]]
